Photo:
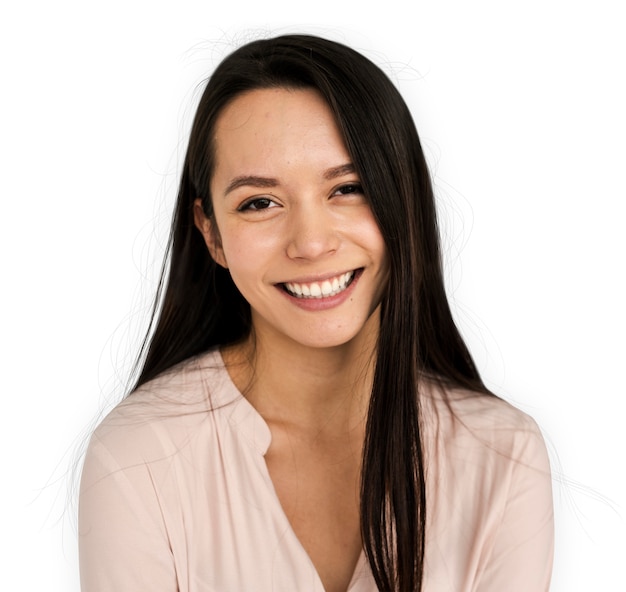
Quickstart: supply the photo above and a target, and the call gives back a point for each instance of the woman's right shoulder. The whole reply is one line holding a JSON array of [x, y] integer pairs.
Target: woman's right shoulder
[[158, 417]]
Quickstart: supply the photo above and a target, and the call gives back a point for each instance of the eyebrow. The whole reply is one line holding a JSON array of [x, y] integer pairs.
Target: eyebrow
[[252, 181], [339, 171], [269, 182]]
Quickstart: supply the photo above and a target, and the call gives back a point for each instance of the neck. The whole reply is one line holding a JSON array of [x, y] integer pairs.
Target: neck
[[311, 389]]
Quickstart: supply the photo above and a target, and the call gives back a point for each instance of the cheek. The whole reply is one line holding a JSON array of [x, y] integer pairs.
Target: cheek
[[250, 254], [370, 236], [378, 249]]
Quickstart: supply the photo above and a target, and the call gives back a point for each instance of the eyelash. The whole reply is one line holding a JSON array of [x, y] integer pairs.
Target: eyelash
[[252, 204], [353, 187], [248, 205]]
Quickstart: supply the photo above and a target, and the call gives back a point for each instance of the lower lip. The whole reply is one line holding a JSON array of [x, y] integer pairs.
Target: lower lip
[[325, 303]]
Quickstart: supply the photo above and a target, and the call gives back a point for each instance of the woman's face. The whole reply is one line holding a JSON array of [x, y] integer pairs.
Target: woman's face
[[291, 222]]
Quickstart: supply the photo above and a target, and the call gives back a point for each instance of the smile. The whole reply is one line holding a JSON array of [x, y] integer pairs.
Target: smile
[[325, 289]]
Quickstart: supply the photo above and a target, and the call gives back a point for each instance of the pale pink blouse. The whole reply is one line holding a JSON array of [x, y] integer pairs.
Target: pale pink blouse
[[176, 496]]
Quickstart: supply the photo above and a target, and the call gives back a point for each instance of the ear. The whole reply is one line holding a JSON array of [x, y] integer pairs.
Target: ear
[[210, 233]]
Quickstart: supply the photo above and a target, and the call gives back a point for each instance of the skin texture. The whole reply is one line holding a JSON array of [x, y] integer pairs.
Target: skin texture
[[289, 208]]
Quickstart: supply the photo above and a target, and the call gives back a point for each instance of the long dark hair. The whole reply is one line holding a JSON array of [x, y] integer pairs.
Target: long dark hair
[[199, 307]]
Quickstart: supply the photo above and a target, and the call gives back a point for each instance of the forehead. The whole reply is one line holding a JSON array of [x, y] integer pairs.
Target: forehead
[[277, 126], [269, 106]]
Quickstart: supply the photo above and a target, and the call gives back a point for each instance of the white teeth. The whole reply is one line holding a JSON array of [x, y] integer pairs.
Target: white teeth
[[329, 287]]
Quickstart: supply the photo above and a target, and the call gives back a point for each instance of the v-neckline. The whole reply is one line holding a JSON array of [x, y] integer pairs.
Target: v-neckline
[[258, 433]]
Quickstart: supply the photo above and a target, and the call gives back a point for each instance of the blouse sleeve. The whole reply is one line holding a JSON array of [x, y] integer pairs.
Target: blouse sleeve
[[521, 556], [123, 543]]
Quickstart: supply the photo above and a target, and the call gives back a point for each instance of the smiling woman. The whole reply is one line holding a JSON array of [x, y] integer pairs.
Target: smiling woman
[[284, 189], [307, 416]]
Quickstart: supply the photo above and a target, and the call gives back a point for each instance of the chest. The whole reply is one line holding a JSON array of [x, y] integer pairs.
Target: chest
[[240, 516], [317, 485]]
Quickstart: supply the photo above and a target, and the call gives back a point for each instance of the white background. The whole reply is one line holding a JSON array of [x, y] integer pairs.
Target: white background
[[521, 110]]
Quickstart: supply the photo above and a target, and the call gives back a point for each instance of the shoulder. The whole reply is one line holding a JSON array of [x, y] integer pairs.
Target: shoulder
[[482, 424], [489, 491], [157, 419]]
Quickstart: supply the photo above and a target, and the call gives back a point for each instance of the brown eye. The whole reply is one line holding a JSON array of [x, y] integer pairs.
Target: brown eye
[[350, 188], [258, 203]]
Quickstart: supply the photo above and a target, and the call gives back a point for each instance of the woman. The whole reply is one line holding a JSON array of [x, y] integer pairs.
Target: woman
[[307, 416]]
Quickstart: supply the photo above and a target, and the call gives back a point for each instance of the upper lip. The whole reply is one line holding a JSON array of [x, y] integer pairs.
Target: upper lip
[[312, 279]]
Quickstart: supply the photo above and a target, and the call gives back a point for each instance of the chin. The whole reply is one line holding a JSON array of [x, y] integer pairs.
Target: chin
[[336, 337]]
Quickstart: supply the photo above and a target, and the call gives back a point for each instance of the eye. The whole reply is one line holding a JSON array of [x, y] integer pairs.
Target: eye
[[349, 188], [257, 203], [349, 194]]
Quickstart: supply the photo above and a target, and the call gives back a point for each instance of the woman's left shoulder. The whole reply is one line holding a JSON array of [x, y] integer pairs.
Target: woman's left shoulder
[[490, 491], [473, 419]]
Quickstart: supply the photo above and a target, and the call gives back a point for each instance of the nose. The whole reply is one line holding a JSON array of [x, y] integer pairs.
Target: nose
[[312, 233]]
